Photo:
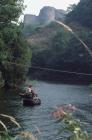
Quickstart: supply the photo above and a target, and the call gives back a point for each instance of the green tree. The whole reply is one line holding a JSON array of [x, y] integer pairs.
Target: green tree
[[59, 46], [82, 13], [71, 7], [14, 52]]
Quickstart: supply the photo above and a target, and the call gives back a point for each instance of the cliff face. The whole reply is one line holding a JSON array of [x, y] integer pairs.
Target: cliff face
[[47, 14]]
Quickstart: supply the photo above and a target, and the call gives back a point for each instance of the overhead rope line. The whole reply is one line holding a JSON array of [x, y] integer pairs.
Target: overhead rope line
[[49, 69]]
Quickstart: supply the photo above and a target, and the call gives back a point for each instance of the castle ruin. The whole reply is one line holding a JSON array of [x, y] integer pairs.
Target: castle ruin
[[47, 14]]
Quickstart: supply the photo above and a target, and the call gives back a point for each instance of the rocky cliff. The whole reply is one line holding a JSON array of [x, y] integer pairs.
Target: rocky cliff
[[47, 14]]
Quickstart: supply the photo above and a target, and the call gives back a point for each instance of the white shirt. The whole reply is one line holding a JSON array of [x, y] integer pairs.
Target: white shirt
[[29, 89]]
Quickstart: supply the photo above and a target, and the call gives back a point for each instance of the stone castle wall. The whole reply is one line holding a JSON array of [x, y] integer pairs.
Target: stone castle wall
[[47, 14], [30, 19]]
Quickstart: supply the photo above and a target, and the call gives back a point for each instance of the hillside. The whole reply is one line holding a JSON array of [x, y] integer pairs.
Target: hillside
[[54, 47], [42, 36]]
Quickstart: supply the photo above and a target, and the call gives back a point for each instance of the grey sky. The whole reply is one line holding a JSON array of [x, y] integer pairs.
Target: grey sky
[[34, 6]]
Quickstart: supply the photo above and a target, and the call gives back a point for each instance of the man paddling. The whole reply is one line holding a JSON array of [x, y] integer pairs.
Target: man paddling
[[30, 91]]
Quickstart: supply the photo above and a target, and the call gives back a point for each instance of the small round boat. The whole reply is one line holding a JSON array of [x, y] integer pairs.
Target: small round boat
[[31, 102], [28, 100]]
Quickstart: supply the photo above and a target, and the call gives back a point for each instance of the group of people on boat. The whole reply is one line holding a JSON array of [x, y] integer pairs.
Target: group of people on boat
[[30, 98]]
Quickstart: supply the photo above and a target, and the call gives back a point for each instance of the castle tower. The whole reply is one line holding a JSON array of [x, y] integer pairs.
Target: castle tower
[[47, 14]]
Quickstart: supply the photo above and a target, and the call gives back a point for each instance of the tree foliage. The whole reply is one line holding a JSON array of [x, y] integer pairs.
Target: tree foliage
[[82, 13], [14, 52]]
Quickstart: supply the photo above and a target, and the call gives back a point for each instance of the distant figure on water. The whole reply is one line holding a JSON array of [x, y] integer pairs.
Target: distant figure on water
[[30, 98], [31, 92]]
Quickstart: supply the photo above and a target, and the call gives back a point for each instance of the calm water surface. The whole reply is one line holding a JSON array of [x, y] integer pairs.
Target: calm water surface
[[51, 95]]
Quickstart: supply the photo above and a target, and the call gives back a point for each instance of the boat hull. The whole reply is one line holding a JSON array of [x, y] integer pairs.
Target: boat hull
[[31, 102], [28, 100], [24, 95]]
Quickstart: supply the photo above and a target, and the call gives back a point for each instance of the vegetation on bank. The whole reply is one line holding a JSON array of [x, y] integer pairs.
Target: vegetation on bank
[[69, 124], [5, 134], [63, 115], [14, 52]]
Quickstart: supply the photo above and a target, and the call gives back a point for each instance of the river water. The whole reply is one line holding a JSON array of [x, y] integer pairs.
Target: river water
[[52, 95]]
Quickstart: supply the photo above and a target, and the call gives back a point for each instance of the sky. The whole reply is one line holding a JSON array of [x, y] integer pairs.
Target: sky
[[34, 6]]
